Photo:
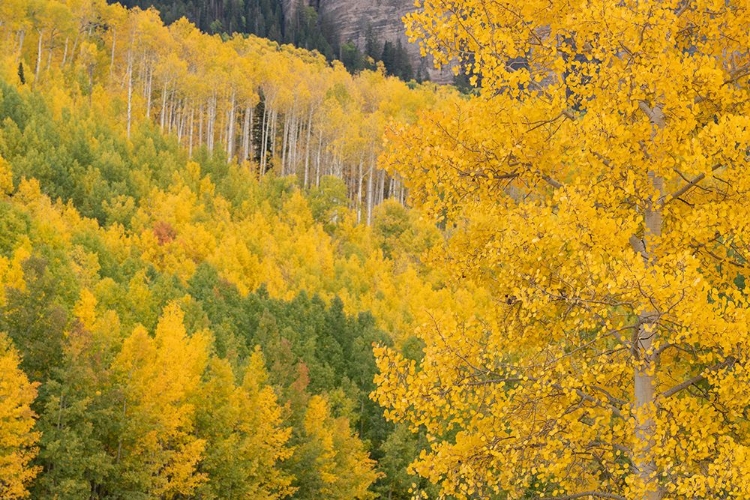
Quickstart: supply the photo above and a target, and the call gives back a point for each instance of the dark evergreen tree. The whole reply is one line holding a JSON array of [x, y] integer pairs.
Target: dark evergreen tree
[[304, 28]]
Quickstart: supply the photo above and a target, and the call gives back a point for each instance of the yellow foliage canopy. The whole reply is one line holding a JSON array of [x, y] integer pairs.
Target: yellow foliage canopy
[[17, 439], [598, 189]]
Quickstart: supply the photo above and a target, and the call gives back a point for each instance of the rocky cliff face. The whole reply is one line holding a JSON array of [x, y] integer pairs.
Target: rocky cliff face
[[354, 18]]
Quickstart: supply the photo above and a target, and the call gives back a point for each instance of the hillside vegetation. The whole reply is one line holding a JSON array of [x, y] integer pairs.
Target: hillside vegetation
[[189, 289]]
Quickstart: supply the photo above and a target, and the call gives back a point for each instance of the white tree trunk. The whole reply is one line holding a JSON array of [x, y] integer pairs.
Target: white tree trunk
[[230, 128], [163, 114], [130, 91], [38, 57], [65, 56], [370, 188], [284, 143], [149, 89], [191, 129], [246, 122], [307, 148], [359, 190], [112, 57]]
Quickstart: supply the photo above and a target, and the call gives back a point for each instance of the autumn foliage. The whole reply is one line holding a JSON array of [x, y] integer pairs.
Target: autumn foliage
[[598, 191]]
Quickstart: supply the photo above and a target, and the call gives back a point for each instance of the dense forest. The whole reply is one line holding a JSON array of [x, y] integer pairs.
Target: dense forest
[[230, 268], [302, 27], [197, 254]]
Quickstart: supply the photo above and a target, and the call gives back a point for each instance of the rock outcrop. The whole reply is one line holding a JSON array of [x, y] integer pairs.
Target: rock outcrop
[[353, 19]]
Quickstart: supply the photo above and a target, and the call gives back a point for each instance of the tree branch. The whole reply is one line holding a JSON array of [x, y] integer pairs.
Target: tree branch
[[655, 114], [591, 399], [698, 378], [687, 187], [551, 181]]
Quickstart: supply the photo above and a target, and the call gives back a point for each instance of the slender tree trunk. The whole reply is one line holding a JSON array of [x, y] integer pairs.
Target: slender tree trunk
[[112, 57], [149, 87], [246, 122], [65, 56], [370, 188], [317, 157], [381, 187], [200, 126], [130, 91], [230, 128], [307, 147], [171, 107], [272, 130], [250, 138], [163, 114], [180, 121], [211, 122], [646, 336], [264, 139], [49, 54], [284, 143], [21, 38], [191, 131], [75, 48], [293, 132], [359, 190], [38, 57]]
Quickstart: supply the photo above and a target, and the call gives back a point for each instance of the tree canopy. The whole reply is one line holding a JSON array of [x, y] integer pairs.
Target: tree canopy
[[599, 190]]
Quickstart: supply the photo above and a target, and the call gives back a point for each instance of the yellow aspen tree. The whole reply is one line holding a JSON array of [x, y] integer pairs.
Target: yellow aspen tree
[[17, 437], [246, 442], [160, 377], [332, 463], [597, 188]]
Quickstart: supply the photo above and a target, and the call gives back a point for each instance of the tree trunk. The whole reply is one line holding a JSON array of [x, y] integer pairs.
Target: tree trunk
[[317, 158], [38, 57], [21, 38], [230, 129], [163, 114], [264, 139], [112, 57], [381, 187], [190, 132], [149, 87], [246, 121], [359, 190], [211, 120], [200, 126], [130, 92], [272, 131], [645, 366], [370, 189], [284, 143], [307, 148], [65, 56], [646, 333]]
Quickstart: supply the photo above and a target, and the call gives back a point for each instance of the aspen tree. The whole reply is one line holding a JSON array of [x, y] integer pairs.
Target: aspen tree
[[17, 435], [598, 188]]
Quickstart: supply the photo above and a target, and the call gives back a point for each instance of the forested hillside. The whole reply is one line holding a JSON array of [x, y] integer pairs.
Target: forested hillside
[[197, 254], [250, 98], [295, 22], [209, 279]]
